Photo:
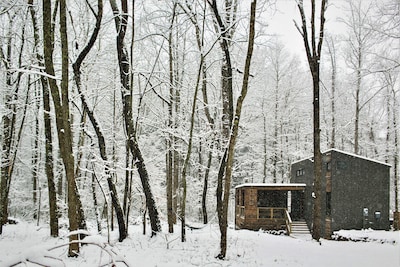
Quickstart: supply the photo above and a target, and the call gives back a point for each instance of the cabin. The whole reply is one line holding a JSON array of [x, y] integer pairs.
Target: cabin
[[268, 206], [355, 191]]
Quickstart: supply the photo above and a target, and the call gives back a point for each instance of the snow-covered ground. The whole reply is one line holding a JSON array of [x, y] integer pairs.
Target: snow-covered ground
[[246, 248]]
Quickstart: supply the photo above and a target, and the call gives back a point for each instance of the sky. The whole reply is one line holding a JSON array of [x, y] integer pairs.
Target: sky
[[282, 23]]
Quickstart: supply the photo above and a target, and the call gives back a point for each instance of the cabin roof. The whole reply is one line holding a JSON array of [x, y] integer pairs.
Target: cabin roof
[[346, 153], [270, 186]]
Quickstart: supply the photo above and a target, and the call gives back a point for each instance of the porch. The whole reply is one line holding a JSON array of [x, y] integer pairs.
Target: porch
[[268, 206]]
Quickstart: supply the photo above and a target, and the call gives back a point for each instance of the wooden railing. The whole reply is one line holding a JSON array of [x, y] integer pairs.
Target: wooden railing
[[278, 214], [288, 222], [271, 213]]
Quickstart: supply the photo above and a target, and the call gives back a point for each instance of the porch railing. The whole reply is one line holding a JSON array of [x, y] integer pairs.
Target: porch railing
[[278, 214], [288, 222]]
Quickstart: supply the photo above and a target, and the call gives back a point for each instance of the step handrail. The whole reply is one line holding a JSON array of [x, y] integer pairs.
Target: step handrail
[[288, 222]]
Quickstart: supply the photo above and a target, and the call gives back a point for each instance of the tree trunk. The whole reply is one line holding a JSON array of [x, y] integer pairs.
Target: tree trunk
[[61, 105], [101, 140], [230, 151], [35, 155], [169, 158], [8, 130], [53, 211], [10, 141], [396, 161], [227, 111], [332, 54], [127, 92], [313, 53]]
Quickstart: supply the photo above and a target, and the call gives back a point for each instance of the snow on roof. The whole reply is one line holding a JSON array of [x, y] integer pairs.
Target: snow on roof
[[346, 153], [270, 185]]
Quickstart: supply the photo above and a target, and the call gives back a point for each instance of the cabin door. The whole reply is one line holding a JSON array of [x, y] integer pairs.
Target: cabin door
[[297, 205]]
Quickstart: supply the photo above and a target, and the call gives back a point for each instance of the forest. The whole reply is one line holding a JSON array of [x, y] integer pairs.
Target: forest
[[120, 112]]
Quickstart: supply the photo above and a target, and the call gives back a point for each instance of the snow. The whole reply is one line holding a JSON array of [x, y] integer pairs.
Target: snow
[[26, 242], [270, 185], [347, 153]]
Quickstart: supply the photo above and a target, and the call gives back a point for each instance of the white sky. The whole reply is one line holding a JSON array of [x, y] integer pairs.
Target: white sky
[[283, 25]]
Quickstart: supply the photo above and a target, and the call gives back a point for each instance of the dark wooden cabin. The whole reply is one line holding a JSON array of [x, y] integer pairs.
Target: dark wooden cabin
[[355, 191], [268, 206]]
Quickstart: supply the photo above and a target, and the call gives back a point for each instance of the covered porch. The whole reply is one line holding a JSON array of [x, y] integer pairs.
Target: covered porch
[[268, 206]]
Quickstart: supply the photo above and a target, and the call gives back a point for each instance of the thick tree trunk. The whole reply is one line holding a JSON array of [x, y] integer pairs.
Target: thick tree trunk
[[61, 105], [316, 233], [313, 53]]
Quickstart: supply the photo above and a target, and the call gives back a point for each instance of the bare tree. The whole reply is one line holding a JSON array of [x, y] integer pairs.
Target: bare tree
[[53, 213], [12, 132], [313, 46], [230, 150], [61, 106], [332, 52], [360, 40], [121, 22], [225, 29]]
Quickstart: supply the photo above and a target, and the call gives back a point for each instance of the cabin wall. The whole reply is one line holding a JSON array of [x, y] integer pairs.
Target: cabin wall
[[349, 184], [358, 184]]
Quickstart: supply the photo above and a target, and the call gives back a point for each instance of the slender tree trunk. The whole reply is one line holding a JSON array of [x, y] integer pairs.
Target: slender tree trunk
[[233, 136], [188, 153], [35, 154], [276, 128], [357, 111], [7, 125], [199, 30], [53, 211], [10, 141], [227, 110], [332, 54], [127, 92], [396, 159], [101, 140], [169, 159]]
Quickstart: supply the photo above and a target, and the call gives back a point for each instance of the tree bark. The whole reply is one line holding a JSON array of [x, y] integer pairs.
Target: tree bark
[[169, 141], [61, 106], [127, 92], [100, 137], [227, 109], [313, 53], [53, 211], [10, 140], [230, 151]]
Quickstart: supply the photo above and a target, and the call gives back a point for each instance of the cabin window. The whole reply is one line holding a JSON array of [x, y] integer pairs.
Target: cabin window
[[241, 200], [328, 166], [341, 165], [300, 172]]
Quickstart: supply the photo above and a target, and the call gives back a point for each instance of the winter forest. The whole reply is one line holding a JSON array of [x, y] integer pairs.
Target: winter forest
[[121, 113]]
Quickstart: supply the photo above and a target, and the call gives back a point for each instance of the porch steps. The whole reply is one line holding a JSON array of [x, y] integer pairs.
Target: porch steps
[[300, 230]]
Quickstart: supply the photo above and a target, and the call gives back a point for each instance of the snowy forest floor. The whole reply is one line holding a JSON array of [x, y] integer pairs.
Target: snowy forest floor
[[26, 242]]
